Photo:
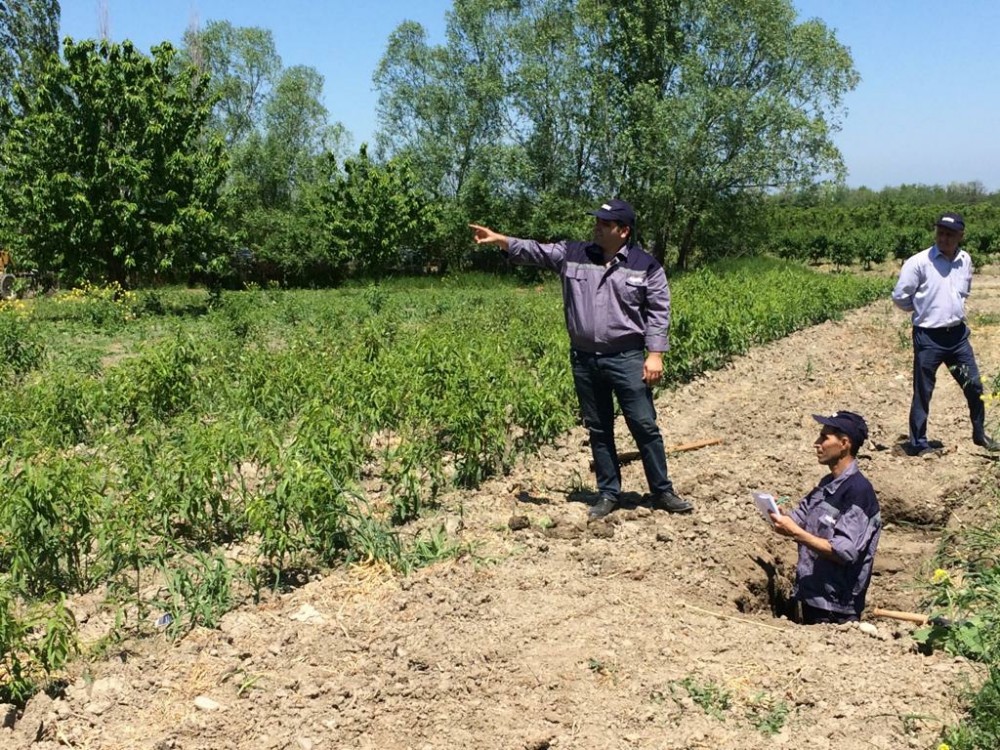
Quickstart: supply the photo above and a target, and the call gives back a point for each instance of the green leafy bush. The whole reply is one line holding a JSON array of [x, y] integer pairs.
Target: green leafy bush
[[21, 347]]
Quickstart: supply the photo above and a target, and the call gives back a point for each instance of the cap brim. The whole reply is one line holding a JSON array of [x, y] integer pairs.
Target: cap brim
[[947, 225], [602, 214]]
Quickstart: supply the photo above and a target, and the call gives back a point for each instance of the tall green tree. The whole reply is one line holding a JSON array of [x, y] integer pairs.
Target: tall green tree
[[692, 109], [29, 34], [296, 133], [243, 66], [737, 98], [374, 212], [443, 106], [105, 174], [277, 132]]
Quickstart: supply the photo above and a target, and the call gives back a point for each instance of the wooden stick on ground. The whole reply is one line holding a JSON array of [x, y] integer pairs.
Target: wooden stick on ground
[[735, 619], [692, 446], [626, 456], [895, 614]]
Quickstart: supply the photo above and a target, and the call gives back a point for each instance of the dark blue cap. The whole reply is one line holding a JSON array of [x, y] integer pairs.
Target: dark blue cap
[[615, 210], [846, 423], [951, 220]]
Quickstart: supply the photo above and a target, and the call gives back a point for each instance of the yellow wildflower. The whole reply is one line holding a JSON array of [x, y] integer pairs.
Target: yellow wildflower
[[944, 746], [940, 576]]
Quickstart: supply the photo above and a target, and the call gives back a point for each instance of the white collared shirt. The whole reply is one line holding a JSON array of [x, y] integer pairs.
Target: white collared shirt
[[933, 288]]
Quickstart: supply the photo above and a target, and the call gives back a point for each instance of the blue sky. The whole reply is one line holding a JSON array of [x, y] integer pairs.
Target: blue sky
[[927, 109]]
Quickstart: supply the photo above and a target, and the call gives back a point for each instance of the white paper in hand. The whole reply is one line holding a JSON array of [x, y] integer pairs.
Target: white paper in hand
[[766, 505]]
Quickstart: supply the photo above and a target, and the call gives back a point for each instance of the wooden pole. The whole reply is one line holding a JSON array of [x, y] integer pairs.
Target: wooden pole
[[626, 456], [897, 615]]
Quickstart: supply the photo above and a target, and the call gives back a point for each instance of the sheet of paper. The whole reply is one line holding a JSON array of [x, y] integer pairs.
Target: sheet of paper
[[766, 505]]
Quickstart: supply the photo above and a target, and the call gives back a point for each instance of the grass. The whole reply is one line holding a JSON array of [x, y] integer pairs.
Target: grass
[[965, 587], [762, 711]]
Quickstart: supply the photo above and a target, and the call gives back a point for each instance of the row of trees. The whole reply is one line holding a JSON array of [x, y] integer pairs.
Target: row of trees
[[863, 226], [116, 164]]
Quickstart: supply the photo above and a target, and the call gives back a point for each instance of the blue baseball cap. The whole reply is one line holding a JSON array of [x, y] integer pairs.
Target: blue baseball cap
[[846, 423], [951, 220], [615, 210]]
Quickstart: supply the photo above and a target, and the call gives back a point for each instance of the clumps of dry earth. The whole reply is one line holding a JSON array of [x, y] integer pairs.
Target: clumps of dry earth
[[644, 631]]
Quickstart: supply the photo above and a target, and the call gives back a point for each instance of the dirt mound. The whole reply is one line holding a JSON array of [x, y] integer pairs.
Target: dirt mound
[[644, 631]]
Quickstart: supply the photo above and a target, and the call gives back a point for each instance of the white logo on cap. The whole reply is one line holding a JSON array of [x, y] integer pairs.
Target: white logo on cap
[[947, 218], [605, 206]]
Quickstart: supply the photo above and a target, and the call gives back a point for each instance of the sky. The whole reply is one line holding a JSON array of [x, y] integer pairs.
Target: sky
[[927, 109]]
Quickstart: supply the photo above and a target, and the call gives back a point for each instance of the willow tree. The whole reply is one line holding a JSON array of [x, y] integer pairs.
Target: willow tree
[[737, 99], [29, 34], [690, 108]]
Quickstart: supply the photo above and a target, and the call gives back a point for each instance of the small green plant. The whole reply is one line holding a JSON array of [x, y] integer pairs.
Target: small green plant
[[376, 298], [984, 319], [107, 307], [545, 522], [711, 698], [248, 683], [911, 722], [239, 314], [431, 547], [968, 600], [373, 541], [980, 730], [601, 667], [766, 714], [903, 338], [35, 640], [199, 592], [21, 347], [966, 587]]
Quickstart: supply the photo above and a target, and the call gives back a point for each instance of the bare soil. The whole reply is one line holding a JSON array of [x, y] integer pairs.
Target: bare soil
[[621, 634]]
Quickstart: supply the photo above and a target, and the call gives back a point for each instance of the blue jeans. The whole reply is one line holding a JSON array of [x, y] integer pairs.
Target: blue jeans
[[933, 347], [597, 378]]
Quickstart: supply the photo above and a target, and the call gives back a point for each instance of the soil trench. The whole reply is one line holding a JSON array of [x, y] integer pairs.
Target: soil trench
[[644, 631]]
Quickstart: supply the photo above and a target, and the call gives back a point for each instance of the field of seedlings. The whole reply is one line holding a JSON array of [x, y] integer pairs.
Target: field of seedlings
[[182, 452]]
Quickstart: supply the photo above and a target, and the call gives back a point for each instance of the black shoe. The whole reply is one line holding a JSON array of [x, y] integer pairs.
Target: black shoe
[[913, 451], [604, 505], [669, 502], [988, 443]]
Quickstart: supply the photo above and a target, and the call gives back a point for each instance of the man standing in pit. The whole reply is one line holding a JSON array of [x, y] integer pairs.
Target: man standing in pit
[[837, 527], [617, 307]]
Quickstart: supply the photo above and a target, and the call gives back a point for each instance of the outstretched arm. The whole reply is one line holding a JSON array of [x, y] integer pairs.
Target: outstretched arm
[[486, 236]]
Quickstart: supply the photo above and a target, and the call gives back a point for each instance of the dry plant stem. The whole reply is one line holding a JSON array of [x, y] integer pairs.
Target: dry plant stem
[[735, 619]]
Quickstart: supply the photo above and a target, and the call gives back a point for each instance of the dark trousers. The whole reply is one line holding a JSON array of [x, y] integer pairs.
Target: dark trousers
[[933, 347], [597, 378]]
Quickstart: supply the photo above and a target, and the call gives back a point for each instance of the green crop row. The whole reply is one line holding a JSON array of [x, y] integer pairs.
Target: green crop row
[[294, 429]]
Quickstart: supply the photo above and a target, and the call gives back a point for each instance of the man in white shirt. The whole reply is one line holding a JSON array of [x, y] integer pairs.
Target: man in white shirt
[[933, 286]]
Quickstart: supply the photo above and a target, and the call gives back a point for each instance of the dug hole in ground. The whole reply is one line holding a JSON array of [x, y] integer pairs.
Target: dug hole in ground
[[644, 631]]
